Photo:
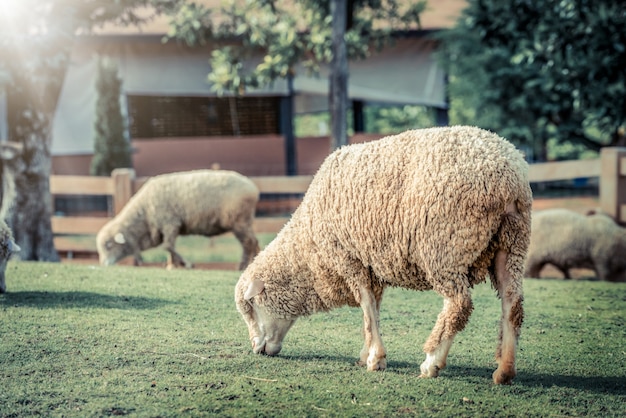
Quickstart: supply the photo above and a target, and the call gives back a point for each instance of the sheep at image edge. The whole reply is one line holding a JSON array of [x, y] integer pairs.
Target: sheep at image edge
[[439, 209], [200, 202], [566, 240], [9, 167], [8, 247]]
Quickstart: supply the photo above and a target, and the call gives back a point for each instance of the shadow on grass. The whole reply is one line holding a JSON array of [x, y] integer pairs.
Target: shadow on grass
[[599, 384], [74, 299]]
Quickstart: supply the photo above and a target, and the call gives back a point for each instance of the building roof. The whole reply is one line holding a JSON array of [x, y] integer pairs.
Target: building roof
[[406, 73]]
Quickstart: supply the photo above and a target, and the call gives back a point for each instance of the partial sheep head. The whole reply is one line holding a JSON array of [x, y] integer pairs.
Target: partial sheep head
[[266, 331], [112, 245]]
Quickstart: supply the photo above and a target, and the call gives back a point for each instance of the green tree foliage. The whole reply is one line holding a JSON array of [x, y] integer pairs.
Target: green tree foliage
[[541, 72], [396, 119], [286, 33], [36, 39], [380, 119], [111, 145]]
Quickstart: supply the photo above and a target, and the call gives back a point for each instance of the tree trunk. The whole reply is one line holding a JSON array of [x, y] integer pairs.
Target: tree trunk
[[540, 147], [338, 100], [29, 216], [287, 115]]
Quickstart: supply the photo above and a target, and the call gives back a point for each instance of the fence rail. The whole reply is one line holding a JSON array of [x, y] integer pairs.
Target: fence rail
[[610, 168], [564, 170]]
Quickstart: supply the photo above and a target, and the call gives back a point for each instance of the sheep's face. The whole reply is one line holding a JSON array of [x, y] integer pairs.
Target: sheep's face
[[266, 330], [112, 246]]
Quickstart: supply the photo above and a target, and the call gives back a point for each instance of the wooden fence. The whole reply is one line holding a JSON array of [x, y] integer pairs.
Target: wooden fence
[[610, 168]]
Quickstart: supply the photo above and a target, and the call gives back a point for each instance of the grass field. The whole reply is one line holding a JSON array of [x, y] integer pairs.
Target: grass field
[[86, 341]]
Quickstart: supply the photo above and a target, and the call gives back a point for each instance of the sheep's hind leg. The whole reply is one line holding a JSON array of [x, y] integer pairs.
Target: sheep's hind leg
[[509, 288], [513, 237], [249, 243], [452, 319], [373, 355], [564, 271]]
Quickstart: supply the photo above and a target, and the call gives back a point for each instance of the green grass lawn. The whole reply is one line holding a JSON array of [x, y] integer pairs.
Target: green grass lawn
[[81, 340]]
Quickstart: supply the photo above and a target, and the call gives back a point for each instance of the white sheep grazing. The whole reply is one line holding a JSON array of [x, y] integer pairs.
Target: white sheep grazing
[[8, 247], [200, 202], [439, 209], [566, 239]]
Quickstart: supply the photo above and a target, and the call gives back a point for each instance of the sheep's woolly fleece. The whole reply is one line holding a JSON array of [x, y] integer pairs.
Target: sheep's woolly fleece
[[418, 210], [567, 239], [201, 202]]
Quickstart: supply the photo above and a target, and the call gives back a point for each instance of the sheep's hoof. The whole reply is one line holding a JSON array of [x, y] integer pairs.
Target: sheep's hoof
[[172, 266], [503, 377], [431, 370], [381, 364]]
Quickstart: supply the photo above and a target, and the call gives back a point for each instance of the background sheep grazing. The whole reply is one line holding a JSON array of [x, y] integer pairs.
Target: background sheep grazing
[[8, 247], [566, 239], [200, 202], [438, 209]]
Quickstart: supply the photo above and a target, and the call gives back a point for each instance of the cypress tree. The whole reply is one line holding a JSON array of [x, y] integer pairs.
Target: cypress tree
[[111, 145]]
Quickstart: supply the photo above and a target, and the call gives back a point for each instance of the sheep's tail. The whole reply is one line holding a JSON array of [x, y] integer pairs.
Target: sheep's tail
[[513, 237]]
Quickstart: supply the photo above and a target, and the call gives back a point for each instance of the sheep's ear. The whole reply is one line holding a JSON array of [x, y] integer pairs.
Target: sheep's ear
[[13, 247], [119, 238], [254, 289], [10, 150]]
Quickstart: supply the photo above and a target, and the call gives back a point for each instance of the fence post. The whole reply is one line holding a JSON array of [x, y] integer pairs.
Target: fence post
[[123, 187], [613, 182]]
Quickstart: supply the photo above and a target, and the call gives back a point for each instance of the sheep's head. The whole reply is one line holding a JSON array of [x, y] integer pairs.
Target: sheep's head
[[266, 330], [112, 245]]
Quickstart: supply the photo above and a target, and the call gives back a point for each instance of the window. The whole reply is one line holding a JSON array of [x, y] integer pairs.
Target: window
[[169, 116]]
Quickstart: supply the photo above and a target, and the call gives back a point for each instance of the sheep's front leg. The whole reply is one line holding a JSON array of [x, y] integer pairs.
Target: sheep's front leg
[[169, 242], [137, 260], [452, 319], [510, 291], [373, 354]]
